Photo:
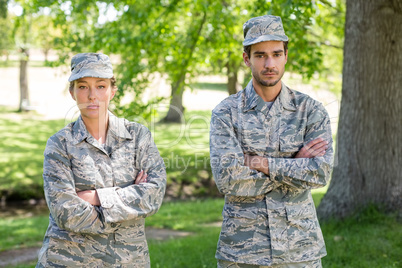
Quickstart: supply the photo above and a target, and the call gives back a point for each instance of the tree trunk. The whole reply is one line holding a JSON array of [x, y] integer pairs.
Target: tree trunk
[[175, 113], [176, 109], [46, 54], [24, 91], [232, 70], [368, 169]]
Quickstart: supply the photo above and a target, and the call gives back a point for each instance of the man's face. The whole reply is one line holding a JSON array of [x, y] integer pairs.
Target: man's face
[[267, 62], [92, 96]]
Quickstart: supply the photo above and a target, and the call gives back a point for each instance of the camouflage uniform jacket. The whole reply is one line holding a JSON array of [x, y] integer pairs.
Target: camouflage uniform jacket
[[269, 219], [110, 235]]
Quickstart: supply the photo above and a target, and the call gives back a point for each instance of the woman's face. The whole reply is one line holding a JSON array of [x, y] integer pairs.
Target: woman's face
[[93, 96]]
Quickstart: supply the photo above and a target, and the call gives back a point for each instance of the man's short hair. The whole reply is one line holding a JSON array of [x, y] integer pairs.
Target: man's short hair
[[247, 49]]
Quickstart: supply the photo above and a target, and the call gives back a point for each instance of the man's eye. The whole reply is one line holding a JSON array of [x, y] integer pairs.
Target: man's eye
[[101, 87], [82, 87]]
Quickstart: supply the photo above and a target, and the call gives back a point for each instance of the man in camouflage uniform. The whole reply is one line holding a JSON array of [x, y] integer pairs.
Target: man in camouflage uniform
[[269, 146], [96, 189]]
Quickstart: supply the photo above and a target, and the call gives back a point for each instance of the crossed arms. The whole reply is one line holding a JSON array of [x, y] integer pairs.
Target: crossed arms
[[242, 174], [312, 149], [91, 196]]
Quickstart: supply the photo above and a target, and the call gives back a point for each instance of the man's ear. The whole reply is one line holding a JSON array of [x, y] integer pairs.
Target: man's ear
[[286, 57], [246, 59]]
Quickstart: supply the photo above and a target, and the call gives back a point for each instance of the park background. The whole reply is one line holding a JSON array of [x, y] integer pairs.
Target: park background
[[174, 62]]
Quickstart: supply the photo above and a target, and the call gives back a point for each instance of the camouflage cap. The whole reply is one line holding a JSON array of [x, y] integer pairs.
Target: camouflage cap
[[90, 65], [264, 28]]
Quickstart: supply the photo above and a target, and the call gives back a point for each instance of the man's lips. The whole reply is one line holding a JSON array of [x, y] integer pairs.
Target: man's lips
[[269, 73]]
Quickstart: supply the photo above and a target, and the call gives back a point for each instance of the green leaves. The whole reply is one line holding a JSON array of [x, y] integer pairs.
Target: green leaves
[[181, 39]]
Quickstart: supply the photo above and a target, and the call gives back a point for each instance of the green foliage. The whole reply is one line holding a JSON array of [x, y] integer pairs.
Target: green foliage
[[3, 9], [7, 38], [182, 39]]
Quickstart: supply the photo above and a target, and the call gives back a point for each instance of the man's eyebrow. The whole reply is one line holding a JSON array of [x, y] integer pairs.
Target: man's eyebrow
[[273, 52]]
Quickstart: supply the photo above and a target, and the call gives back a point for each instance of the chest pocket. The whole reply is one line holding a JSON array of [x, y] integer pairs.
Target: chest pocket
[[251, 134], [123, 163], [85, 172], [291, 140]]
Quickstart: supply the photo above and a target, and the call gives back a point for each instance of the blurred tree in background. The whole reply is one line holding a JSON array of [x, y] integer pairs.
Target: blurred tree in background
[[180, 40], [368, 171]]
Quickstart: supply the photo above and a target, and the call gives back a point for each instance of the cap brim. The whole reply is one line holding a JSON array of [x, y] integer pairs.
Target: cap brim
[[89, 73], [264, 38]]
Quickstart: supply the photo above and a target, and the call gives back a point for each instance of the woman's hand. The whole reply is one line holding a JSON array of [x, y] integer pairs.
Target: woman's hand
[[91, 196], [141, 177]]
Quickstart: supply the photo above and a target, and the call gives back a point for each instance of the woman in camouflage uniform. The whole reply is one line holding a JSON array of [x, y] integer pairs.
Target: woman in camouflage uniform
[[102, 176]]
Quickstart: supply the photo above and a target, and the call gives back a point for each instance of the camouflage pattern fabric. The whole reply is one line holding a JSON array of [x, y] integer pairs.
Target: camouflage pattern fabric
[[90, 65], [307, 264], [110, 235], [264, 28], [269, 219]]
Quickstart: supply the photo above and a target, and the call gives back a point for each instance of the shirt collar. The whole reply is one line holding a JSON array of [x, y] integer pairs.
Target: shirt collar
[[116, 127], [252, 99], [80, 132]]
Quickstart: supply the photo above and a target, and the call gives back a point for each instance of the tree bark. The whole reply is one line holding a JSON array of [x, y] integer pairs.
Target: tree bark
[[232, 70], [368, 166], [24, 90], [176, 109], [175, 112]]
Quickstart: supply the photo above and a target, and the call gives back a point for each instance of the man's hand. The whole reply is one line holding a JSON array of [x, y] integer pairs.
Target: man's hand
[[91, 196], [256, 162], [312, 149], [141, 177]]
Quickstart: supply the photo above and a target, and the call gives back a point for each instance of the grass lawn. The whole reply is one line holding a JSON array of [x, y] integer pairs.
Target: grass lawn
[[370, 240], [184, 148]]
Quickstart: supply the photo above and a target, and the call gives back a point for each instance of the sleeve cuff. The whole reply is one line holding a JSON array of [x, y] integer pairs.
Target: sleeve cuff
[[107, 197], [273, 170]]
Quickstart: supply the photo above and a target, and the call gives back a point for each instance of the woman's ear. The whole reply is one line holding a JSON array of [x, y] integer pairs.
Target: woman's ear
[[72, 94], [114, 90]]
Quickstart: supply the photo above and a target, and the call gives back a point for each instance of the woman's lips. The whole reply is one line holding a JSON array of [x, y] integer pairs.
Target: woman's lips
[[92, 106]]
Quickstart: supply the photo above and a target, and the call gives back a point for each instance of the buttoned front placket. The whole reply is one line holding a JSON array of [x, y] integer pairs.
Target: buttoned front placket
[[270, 123], [108, 177]]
